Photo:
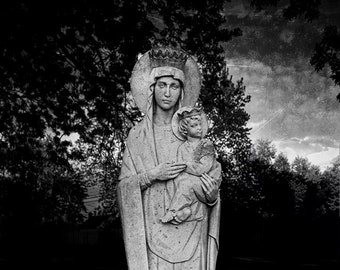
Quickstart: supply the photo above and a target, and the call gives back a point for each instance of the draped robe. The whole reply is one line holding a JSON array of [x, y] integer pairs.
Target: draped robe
[[145, 237]]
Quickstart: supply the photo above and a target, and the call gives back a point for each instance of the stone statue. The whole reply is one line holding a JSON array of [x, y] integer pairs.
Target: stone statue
[[198, 154], [164, 80]]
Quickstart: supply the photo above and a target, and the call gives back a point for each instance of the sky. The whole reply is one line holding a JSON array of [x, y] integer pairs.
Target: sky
[[291, 104]]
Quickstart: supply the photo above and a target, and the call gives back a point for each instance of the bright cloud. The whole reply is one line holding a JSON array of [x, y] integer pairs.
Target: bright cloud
[[319, 151]]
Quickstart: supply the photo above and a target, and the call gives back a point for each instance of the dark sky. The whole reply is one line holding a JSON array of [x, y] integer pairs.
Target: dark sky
[[292, 105]]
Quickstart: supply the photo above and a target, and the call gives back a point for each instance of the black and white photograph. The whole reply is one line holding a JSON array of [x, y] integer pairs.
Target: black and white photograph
[[170, 134]]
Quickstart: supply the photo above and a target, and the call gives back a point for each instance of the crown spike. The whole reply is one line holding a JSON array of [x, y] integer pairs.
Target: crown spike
[[193, 111], [167, 56]]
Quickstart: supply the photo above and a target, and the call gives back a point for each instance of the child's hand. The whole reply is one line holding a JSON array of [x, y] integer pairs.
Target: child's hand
[[210, 187]]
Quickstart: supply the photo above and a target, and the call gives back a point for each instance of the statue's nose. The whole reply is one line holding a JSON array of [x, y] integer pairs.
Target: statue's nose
[[167, 91]]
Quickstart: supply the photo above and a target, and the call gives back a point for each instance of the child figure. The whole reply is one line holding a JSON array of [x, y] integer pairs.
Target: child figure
[[190, 124]]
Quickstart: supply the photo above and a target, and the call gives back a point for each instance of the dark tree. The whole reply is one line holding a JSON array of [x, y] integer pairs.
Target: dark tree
[[66, 68], [327, 53]]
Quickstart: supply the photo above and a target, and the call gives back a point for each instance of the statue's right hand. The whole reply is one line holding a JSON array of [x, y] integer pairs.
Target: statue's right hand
[[166, 171]]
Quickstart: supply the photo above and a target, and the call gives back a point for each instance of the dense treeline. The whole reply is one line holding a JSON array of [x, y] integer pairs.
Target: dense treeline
[[294, 212]]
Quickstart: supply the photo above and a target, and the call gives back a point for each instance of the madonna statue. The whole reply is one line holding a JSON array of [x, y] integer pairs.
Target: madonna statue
[[163, 80]]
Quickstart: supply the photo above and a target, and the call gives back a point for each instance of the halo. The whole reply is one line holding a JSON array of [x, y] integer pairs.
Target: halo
[[141, 81], [175, 125]]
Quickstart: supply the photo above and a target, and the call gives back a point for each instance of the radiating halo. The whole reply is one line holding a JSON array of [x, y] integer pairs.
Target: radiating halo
[[141, 81]]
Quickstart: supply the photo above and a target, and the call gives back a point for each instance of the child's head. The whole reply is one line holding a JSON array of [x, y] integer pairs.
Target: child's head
[[190, 123]]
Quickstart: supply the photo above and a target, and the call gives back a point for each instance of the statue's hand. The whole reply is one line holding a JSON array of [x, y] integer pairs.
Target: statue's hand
[[210, 187], [165, 171]]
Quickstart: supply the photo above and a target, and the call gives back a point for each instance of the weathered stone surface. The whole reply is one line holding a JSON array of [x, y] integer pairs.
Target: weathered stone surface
[[168, 189]]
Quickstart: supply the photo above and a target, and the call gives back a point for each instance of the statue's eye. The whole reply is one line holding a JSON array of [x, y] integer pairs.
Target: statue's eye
[[161, 84], [174, 86]]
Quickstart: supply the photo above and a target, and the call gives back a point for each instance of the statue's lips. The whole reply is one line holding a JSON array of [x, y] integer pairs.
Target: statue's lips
[[166, 101]]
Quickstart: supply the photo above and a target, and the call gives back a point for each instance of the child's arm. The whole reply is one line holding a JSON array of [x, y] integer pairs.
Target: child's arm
[[200, 167], [203, 159]]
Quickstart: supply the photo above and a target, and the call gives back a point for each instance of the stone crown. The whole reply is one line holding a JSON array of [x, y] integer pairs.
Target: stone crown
[[167, 56], [186, 114]]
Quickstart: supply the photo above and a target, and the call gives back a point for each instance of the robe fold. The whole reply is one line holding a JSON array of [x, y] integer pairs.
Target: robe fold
[[141, 210]]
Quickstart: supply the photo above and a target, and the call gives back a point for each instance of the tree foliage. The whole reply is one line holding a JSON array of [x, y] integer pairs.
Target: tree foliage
[[309, 10], [38, 185], [327, 53], [66, 69], [287, 190]]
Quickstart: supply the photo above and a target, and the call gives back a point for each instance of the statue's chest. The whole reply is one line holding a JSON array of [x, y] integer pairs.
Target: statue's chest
[[166, 144]]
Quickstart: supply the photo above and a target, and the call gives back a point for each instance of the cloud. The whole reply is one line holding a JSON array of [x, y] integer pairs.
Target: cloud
[[319, 151], [323, 159], [254, 125], [307, 145], [293, 106], [291, 103], [288, 100]]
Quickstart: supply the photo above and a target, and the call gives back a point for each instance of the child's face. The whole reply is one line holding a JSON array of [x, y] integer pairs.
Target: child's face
[[194, 129]]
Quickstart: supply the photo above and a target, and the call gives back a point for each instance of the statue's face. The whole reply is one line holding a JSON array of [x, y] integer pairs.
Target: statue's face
[[167, 92], [194, 128]]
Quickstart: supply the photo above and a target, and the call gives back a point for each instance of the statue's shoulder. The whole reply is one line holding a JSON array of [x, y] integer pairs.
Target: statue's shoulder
[[135, 128], [135, 131]]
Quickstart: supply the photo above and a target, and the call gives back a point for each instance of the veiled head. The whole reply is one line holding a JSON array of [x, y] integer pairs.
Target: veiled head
[[148, 70]]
